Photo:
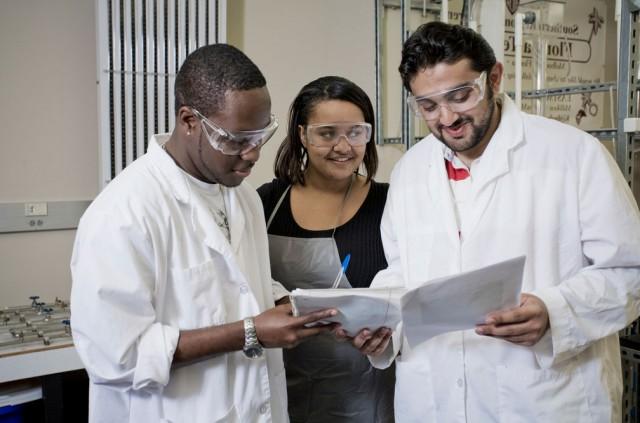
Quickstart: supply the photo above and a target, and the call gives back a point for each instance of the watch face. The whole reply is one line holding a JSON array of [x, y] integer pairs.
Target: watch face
[[253, 351]]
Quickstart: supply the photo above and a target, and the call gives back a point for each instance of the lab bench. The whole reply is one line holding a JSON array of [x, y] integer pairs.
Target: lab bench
[[40, 370]]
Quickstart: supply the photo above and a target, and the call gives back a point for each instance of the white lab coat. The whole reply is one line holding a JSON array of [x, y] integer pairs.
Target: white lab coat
[[148, 261], [552, 193]]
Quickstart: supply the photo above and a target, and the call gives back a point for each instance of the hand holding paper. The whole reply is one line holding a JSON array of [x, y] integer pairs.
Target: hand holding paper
[[524, 325], [446, 304], [358, 308], [461, 302], [372, 343]]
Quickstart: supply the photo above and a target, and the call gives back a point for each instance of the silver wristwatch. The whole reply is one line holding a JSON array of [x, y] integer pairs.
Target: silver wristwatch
[[252, 348]]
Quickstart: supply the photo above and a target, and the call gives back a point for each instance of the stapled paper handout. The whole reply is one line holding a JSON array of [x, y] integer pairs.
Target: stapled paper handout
[[358, 308], [442, 305]]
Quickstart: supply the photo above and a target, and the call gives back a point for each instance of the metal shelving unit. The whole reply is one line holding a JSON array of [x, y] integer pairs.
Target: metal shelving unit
[[571, 89], [603, 133], [627, 145]]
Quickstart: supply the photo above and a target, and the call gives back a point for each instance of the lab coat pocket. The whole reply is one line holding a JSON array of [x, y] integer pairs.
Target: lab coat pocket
[[199, 293], [414, 397], [230, 417], [526, 394]]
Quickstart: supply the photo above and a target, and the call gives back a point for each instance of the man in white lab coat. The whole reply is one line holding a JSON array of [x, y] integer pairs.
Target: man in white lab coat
[[491, 183], [172, 300]]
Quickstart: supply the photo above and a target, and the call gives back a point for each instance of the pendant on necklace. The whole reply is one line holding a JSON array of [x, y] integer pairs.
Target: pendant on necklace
[[220, 216], [223, 223]]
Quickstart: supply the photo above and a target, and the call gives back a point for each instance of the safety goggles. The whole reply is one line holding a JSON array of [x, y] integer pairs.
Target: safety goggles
[[238, 142], [329, 134], [457, 100]]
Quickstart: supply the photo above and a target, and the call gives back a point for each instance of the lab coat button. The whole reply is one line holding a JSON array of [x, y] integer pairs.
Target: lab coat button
[[263, 409], [460, 383], [244, 289]]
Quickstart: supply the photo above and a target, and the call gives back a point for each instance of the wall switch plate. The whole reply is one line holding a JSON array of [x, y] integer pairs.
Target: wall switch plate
[[35, 209]]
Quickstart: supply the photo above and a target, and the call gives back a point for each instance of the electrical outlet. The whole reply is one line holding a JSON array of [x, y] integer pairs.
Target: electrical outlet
[[35, 209]]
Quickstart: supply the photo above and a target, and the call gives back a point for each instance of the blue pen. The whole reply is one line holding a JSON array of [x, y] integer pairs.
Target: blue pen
[[343, 270]]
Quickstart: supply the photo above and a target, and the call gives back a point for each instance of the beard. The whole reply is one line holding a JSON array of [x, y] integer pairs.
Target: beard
[[478, 131]]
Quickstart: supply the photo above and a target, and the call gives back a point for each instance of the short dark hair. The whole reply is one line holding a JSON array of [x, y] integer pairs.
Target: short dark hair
[[291, 156], [209, 72], [437, 42]]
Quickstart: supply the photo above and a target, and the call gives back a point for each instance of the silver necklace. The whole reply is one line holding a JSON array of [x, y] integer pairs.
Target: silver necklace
[[220, 217]]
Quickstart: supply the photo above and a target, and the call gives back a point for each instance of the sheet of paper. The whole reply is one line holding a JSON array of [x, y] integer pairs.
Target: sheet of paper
[[460, 302], [358, 308]]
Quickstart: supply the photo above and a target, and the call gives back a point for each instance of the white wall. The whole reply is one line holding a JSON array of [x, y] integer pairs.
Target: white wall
[[49, 143]]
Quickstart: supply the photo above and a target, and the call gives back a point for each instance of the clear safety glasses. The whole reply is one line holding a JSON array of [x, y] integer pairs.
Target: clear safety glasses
[[238, 142], [328, 134], [457, 100]]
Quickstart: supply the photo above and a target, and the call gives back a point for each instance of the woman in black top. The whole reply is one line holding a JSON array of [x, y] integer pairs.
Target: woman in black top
[[322, 206]]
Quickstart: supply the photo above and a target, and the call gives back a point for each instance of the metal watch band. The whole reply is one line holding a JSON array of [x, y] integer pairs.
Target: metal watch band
[[250, 336], [252, 348]]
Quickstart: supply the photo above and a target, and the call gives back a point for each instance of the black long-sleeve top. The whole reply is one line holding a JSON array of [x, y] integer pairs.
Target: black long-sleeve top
[[360, 236]]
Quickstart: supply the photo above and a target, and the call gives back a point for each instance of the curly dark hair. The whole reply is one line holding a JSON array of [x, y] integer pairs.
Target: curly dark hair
[[437, 42], [291, 156], [209, 72]]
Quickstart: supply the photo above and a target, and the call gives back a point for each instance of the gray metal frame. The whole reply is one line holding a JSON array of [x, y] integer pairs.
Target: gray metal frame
[[627, 87], [407, 121], [379, 10], [625, 149]]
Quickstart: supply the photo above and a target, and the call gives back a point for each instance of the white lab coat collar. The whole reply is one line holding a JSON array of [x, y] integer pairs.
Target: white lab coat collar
[[179, 188], [508, 135], [495, 162], [174, 179]]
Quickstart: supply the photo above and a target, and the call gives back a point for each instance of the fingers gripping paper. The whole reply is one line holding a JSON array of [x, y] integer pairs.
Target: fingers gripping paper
[[442, 305], [358, 308]]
